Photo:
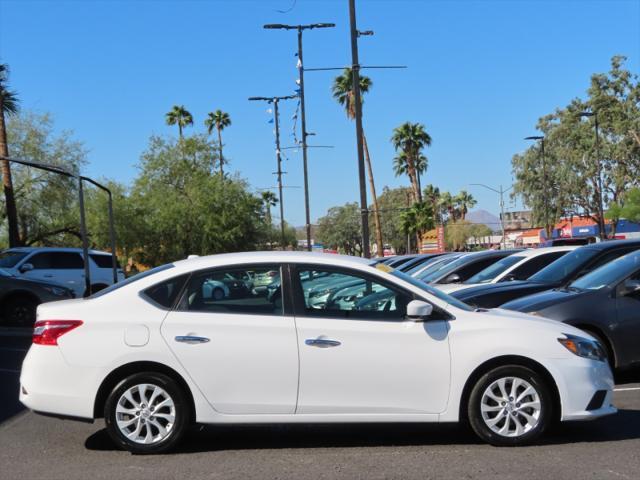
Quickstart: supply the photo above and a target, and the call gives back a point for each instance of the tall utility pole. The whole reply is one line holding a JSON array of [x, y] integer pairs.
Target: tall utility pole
[[547, 226], [276, 120], [355, 69], [303, 119], [500, 192]]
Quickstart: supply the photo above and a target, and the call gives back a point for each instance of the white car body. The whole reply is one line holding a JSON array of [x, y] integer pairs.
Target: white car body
[[260, 368], [525, 257], [67, 269]]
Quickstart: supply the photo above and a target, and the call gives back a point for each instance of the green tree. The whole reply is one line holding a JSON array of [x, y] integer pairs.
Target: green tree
[[218, 120], [342, 90], [409, 139], [628, 207], [340, 229], [392, 202], [49, 213], [417, 219], [188, 211], [8, 107], [179, 115], [431, 194], [447, 207], [269, 200], [570, 182]]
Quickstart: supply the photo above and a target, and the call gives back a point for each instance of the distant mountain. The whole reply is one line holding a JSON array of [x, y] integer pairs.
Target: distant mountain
[[487, 218]]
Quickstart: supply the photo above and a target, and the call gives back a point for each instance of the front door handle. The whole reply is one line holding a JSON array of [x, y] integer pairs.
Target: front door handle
[[321, 342], [190, 339]]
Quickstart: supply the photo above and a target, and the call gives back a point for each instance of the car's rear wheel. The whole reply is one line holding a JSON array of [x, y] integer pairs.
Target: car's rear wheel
[[218, 294], [510, 406], [20, 311], [147, 413]]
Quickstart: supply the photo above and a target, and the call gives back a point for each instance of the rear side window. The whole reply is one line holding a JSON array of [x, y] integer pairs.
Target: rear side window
[[102, 260], [470, 270], [254, 290], [165, 294], [56, 261], [534, 265]]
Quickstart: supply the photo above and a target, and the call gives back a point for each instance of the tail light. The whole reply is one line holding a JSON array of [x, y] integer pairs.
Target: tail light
[[47, 332]]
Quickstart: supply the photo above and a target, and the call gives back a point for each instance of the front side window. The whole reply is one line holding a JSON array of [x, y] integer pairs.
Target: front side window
[[251, 290], [338, 293], [66, 261]]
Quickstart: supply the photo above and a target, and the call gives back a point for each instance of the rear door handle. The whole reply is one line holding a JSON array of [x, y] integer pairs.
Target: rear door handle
[[190, 339], [322, 342]]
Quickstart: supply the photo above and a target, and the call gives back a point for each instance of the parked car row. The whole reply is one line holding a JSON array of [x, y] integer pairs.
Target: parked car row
[[595, 287], [30, 276]]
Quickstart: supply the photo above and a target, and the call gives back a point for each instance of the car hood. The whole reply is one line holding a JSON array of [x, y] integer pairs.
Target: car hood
[[492, 288], [546, 323], [542, 300]]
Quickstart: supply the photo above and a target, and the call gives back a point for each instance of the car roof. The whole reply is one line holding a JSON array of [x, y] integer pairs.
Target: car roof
[[534, 252], [610, 244], [54, 249]]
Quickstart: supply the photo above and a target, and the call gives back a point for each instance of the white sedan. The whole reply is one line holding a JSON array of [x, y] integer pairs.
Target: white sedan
[[335, 339]]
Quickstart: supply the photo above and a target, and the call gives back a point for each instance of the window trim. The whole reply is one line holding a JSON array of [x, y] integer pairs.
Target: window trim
[[300, 309], [287, 309]]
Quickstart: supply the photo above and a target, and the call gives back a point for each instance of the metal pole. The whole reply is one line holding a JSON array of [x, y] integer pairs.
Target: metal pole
[[601, 225], [504, 240], [303, 125], [112, 239], [546, 186], [279, 160], [355, 70], [85, 243]]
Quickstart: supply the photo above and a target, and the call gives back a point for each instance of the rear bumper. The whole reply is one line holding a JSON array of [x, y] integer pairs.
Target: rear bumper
[[49, 385]]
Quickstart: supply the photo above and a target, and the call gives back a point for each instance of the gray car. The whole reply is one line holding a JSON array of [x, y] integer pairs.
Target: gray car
[[20, 297]]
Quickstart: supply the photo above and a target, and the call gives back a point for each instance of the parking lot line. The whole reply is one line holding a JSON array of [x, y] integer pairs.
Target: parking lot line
[[626, 389]]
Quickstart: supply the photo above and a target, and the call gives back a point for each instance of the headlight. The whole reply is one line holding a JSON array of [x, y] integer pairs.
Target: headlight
[[583, 347], [60, 292]]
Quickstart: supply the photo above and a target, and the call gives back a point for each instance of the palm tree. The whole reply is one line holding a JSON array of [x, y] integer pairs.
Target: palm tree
[[417, 219], [431, 193], [218, 120], [464, 201], [8, 106], [180, 116], [447, 206], [410, 138], [269, 200], [342, 91]]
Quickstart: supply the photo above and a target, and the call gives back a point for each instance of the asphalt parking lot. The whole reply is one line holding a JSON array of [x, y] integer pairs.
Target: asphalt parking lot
[[34, 447]]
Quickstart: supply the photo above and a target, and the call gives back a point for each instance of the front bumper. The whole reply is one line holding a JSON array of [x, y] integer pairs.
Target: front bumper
[[578, 381]]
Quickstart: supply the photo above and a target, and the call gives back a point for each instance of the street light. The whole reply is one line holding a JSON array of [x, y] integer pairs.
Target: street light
[[544, 181], [599, 168], [501, 192], [303, 121], [276, 119]]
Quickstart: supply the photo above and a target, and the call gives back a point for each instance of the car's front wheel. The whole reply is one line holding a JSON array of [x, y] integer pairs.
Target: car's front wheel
[[510, 406], [147, 413]]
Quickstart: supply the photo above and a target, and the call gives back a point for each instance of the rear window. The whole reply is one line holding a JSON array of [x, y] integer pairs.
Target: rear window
[[103, 260], [165, 294], [9, 259]]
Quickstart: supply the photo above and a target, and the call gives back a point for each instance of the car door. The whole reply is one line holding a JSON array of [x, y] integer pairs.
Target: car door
[[64, 268], [358, 353], [240, 349], [627, 328]]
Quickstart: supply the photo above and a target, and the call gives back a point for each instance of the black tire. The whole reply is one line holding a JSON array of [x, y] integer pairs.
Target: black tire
[[20, 311], [217, 294], [481, 427], [179, 426]]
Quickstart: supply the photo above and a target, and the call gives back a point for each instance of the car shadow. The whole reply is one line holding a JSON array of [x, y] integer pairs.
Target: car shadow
[[625, 425]]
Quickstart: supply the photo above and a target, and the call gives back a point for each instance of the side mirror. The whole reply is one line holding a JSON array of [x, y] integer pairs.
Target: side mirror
[[26, 267], [417, 310], [509, 277], [630, 287], [453, 278]]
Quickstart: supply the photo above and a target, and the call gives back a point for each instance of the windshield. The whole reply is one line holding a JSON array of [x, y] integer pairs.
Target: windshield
[[565, 266], [609, 273], [446, 269], [422, 271], [433, 291], [492, 271], [10, 258], [130, 280]]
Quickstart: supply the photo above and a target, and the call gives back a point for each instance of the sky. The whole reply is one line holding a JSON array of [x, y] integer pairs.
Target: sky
[[480, 74]]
